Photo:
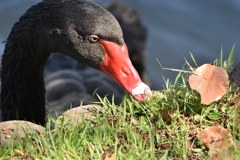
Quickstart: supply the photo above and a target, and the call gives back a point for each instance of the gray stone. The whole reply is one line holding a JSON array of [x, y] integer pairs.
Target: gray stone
[[76, 115], [15, 128]]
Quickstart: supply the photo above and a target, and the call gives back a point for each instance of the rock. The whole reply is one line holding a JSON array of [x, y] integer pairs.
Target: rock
[[11, 129], [75, 115]]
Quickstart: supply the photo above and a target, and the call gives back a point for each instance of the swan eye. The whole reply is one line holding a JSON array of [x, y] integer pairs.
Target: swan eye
[[93, 38]]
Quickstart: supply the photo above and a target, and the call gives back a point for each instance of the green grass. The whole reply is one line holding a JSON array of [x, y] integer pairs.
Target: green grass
[[165, 127]]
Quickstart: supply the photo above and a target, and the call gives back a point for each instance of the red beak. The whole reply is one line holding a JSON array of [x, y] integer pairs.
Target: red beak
[[118, 66]]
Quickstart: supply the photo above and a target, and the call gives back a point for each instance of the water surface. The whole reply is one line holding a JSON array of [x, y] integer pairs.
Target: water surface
[[175, 28]]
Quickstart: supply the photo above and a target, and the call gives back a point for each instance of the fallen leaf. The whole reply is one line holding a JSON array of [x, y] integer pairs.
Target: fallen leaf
[[108, 154], [210, 81], [5, 128], [216, 139]]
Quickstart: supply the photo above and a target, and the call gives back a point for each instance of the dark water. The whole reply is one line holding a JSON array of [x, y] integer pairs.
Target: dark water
[[175, 28]]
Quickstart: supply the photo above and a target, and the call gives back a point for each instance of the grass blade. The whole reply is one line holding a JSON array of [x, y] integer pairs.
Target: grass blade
[[193, 59], [220, 60], [230, 59]]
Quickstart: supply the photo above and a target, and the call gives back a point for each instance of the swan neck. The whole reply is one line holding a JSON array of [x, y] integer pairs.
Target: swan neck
[[23, 89]]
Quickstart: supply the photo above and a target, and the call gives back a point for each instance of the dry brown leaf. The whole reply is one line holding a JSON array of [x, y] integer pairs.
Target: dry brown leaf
[[210, 81], [108, 154], [216, 138]]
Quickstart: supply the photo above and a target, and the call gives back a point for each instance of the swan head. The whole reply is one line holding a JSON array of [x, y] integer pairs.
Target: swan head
[[90, 34]]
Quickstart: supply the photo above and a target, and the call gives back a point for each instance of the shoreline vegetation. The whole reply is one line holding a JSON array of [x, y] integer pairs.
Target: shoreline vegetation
[[173, 124]]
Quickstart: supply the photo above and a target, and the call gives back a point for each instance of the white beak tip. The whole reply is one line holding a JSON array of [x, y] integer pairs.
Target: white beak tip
[[142, 92]]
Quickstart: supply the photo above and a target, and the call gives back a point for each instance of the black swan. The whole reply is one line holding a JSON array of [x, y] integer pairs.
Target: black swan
[[80, 29]]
